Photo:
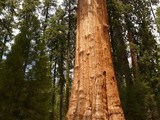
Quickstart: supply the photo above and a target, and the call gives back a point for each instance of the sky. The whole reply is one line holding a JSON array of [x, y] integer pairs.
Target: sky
[[17, 31], [60, 1]]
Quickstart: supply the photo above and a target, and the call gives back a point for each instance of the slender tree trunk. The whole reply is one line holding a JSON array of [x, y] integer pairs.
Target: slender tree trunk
[[61, 102], [68, 57], [46, 18], [131, 40], [62, 80], [117, 44], [94, 94], [67, 82], [133, 54], [53, 94], [127, 71]]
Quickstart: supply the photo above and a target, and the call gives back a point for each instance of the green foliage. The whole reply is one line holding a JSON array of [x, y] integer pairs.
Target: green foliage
[[7, 12], [55, 35], [117, 34], [2, 5], [158, 18], [25, 86], [139, 97]]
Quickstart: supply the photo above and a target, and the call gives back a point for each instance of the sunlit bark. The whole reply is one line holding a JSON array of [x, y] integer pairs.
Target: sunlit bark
[[94, 94]]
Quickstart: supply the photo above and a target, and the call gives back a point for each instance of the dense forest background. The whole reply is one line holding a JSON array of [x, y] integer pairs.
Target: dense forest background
[[37, 44]]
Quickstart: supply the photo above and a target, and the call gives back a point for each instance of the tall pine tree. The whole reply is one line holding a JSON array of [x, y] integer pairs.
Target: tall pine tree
[[25, 85]]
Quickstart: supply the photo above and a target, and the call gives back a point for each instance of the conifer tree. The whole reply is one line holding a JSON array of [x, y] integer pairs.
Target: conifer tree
[[56, 42], [147, 58], [25, 85], [141, 41], [158, 85], [7, 13], [47, 6], [71, 19], [117, 33], [158, 18]]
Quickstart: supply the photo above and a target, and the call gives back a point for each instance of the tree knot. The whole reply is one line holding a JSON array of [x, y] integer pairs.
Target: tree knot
[[106, 26]]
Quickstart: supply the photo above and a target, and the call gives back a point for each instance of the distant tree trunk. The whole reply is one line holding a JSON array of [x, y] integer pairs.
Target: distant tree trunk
[[67, 82], [53, 94], [68, 57], [46, 18], [120, 58], [61, 96], [61, 76], [61, 101], [133, 54], [131, 40], [126, 67], [94, 94]]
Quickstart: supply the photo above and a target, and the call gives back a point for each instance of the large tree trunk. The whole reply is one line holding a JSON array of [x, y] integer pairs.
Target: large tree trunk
[[94, 94]]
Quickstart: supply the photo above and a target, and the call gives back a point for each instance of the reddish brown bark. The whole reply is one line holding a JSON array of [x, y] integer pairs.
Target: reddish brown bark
[[94, 94], [133, 54], [133, 51]]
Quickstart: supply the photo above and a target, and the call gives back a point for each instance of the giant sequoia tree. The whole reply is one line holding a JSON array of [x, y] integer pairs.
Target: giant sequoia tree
[[94, 92]]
